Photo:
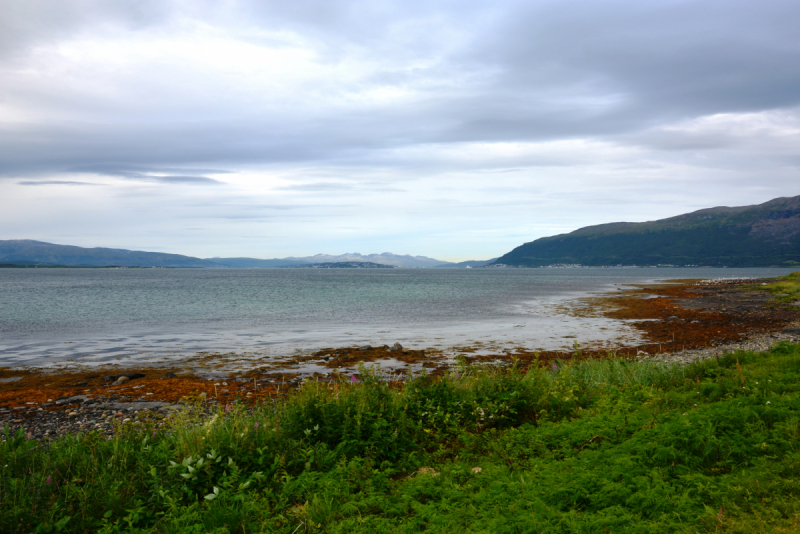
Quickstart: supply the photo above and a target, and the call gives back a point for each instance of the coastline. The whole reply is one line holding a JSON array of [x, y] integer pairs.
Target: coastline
[[680, 321]]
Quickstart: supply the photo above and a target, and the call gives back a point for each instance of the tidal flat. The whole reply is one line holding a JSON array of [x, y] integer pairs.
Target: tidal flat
[[681, 321]]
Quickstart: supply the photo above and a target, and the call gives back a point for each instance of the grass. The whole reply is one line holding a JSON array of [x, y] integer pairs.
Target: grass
[[786, 288], [593, 446]]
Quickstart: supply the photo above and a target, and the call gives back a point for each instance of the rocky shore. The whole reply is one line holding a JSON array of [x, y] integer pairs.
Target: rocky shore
[[684, 323]]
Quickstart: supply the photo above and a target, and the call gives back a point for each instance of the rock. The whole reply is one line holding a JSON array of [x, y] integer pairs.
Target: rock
[[131, 376], [396, 347], [109, 378], [792, 331], [170, 375], [121, 380], [365, 347], [69, 400], [326, 358], [78, 384]]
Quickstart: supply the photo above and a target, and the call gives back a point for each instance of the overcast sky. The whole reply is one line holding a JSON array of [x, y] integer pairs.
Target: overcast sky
[[456, 130]]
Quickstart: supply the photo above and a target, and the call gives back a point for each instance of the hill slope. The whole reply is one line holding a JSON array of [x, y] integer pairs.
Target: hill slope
[[27, 252], [748, 236]]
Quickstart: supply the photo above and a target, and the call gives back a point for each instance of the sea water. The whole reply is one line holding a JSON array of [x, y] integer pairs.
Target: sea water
[[49, 317]]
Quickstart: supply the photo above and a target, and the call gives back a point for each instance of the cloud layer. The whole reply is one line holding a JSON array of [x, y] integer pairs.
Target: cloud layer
[[450, 129]]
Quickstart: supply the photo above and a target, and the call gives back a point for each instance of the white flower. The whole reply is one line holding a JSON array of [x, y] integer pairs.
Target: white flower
[[767, 402]]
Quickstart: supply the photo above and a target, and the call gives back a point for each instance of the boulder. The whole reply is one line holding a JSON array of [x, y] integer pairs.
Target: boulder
[[365, 347], [396, 347], [121, 380], [132, 376]]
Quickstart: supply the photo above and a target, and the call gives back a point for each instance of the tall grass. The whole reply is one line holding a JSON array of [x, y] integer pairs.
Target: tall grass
[[588, 446]]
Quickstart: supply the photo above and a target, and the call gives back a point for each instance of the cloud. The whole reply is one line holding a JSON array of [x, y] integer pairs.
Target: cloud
[[52, 182], [393, 117]]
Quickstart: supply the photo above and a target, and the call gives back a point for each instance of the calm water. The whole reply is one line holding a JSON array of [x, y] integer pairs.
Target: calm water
[[53, 316]]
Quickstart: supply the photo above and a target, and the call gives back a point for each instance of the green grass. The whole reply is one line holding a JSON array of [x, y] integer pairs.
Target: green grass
[[593, 446], [786, 288]]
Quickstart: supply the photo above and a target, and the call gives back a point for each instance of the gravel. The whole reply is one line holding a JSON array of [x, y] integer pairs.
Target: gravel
[[81, 414], [755, 342]]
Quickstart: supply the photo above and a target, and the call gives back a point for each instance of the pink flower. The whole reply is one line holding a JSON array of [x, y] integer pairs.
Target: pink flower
[[47, 481], [228, 408], [256, 425], [555, 367], [353, 379]]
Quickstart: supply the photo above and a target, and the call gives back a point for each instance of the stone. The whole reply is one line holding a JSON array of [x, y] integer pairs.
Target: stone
[[78, 384], [170, 375], [365, 347], [121, 380], [109, 378], [131, 376], [396, 347], [792, 331]]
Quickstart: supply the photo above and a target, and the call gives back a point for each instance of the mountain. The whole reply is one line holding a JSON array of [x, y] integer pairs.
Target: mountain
[[767, 234], [387, 258], [346, 265], [27, 252], [465, 264]]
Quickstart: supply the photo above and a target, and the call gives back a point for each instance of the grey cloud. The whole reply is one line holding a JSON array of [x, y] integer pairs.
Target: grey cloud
[[548, 70], [680, 141], [52, 182], [33, 22]]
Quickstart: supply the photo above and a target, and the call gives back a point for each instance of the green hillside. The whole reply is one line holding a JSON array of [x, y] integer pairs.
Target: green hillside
[[751, 236]]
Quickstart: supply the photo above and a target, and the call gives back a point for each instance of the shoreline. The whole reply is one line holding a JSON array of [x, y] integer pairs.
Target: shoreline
[[681, 320]]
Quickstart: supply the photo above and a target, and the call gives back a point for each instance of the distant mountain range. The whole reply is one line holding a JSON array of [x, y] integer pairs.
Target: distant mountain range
[[387, 258], [26, 252], [347, 265], [749, 236]]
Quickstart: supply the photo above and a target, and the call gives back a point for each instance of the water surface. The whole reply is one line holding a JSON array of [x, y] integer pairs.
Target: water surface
[[53, 316]]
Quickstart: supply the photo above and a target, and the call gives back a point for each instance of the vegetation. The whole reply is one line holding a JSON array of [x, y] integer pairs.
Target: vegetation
[[786, 288], [753, 236], [593, 446]]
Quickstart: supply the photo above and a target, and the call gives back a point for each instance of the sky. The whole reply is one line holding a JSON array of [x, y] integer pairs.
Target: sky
[[451, 129]]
